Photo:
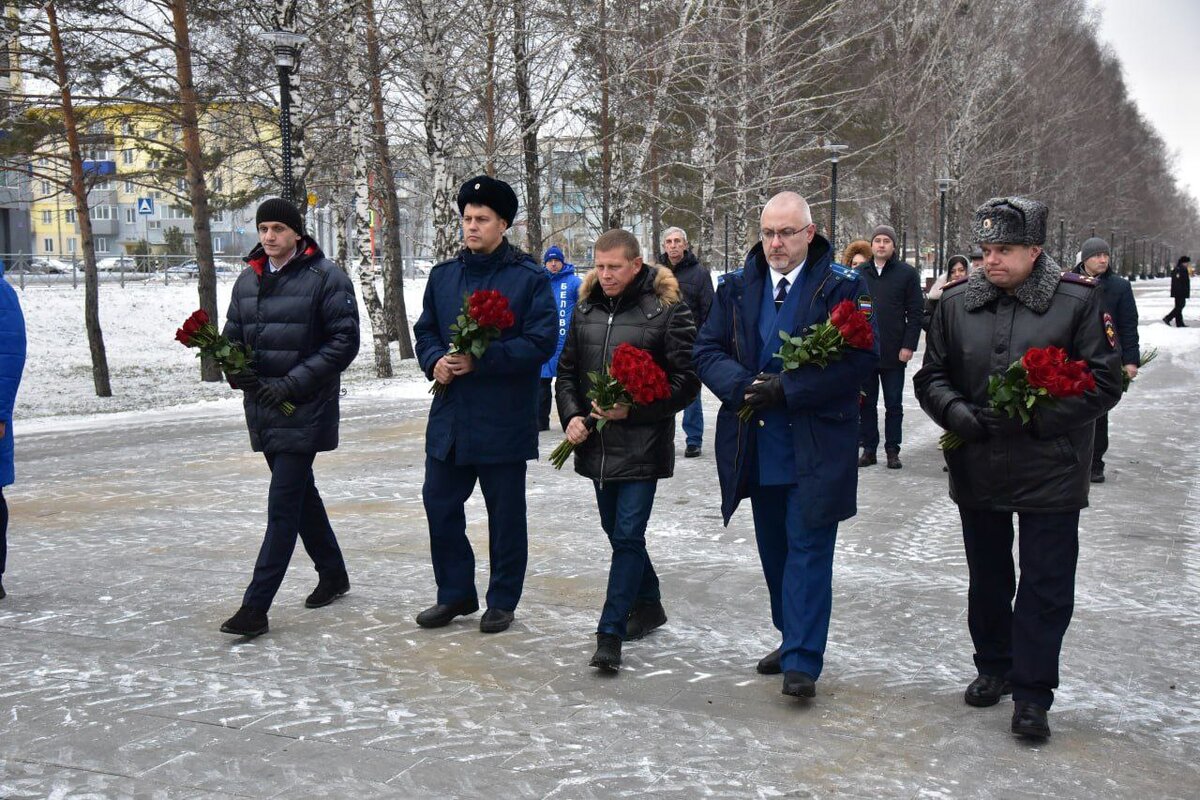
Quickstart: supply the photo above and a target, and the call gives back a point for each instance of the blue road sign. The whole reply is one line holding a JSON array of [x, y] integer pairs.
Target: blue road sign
[[145, 206]]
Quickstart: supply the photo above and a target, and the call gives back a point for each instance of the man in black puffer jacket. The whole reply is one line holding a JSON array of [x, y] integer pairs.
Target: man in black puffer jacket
[[695, 284], [624, 301], [1039, 470], [296, 311]]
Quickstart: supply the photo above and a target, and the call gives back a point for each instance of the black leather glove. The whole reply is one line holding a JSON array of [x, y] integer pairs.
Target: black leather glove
[[1000, 424], [962, 419], [271, 393], [766, 391], [246, 381]]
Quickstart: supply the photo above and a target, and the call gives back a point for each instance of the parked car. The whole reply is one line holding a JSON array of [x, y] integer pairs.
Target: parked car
[[49, 266], [117, 264], [188, 269]]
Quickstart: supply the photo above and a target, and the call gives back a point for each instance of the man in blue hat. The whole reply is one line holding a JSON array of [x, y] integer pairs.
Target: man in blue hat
[[483, 427], [564, 284]]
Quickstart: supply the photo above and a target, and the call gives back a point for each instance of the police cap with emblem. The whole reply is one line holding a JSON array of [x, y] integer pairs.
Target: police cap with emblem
[[1011, 220], [497, 195]]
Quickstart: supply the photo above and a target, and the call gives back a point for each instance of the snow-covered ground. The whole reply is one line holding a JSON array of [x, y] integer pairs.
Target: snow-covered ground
[[147, 367]]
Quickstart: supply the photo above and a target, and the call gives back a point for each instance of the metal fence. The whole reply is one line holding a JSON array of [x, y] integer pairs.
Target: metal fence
[[27, 271]]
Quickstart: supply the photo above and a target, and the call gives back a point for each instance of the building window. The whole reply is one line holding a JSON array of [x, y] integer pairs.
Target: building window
[[218, 216], [217, 245], [127, 156], [130, 216], [71, 245], [101, 244], [48, 245], [128, 187], [47, 217], [70, 216], [218, 183], [45, 187]]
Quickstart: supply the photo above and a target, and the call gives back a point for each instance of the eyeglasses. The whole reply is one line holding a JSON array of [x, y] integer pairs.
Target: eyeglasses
[[769, 235]]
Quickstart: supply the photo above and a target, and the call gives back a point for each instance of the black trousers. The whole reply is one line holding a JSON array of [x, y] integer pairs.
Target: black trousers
[[293, 508], [544, 403], [1101, 444], [1021, 641], [1177, 312], [3, 532]]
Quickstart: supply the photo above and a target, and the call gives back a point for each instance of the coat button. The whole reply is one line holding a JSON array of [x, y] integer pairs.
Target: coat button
[[762, 424]]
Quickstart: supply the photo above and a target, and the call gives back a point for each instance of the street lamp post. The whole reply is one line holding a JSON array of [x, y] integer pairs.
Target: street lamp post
[[944, 185], [1112, 244], [286, 46], [1062, 239], [835, 150]]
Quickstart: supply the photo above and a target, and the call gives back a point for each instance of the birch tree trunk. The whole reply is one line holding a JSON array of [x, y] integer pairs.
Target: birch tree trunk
[[433, 26], [529, 132]]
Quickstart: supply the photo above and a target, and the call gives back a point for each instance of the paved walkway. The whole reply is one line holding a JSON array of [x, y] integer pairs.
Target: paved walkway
[[130, 544]]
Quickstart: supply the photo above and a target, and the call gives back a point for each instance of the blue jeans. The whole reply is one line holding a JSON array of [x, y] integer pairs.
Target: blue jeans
[[893, 404], [624, 513], [693, 422], [797, 562], [293, 507], [446, 490]]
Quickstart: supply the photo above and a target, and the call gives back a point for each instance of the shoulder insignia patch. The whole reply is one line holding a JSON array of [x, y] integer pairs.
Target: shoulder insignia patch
[[864, 305], [1082, 280], [842, 272], [1110, 331]]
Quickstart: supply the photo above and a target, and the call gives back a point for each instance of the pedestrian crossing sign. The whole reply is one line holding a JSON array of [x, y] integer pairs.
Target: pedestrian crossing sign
[[145, 206]]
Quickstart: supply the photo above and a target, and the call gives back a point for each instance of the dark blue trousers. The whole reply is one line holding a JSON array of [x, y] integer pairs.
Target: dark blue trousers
[[693, 422], [293, 507], [3, 532], [446, 490], [624, 513], [892, 381], [1021, 641], [798, 564]]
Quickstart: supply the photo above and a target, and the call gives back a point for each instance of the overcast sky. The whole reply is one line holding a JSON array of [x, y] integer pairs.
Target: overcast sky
[[1158, 42]]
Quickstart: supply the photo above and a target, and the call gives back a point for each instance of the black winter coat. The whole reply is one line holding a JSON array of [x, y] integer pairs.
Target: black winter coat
[[649, 315], [302, 325], [978, 331], [899, 308], [1181, 281], [1117, 298], [695, 283]]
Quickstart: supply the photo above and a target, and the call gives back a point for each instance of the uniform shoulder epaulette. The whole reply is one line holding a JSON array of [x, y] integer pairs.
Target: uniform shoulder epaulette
[[958, 282], [530, 264], [725, 275], [445, 263], [843, 272], [1082, 280]]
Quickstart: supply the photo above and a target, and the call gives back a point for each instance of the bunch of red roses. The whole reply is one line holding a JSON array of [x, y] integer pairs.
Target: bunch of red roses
[[1040, 377], [846, 327], [485, 314], [633, 378], [233, 358]]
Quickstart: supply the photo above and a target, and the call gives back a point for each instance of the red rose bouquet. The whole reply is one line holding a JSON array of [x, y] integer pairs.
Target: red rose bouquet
[[199, 332], [1041, 376], [633, 378], [484, 316], [846, 327]]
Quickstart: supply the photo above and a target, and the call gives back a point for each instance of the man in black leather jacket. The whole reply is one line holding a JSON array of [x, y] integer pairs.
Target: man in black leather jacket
[[623, 301], [1039, 471]]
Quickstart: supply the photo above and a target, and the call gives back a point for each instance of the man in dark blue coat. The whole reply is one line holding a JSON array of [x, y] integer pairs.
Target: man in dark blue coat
[[295, 309], [483, 427], [12, 364], [1120, 322], [797, 457]]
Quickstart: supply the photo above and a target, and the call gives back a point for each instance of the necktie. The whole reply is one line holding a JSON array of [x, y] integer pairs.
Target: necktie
[[781, 293]]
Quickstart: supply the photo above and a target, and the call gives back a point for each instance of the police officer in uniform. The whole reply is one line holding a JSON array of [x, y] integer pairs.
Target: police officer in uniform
[[483, 427], [1039, 471]]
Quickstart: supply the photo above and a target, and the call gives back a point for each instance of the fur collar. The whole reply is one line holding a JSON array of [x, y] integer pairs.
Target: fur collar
[[1035, 293], [666, 287]]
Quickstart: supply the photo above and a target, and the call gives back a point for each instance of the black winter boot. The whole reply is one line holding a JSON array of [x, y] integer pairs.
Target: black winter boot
[[643, 619], [329, 588], [608, 653], [248, 622]]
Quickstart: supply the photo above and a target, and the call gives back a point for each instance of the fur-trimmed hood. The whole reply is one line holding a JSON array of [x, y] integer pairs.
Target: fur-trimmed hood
[[1035, 293], [660, 279]]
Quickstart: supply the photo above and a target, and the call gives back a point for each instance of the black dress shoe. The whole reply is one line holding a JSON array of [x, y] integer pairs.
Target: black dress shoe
[[893, 461], [692, 451], [440, 615], [608, 653], [495, 620], [986, 690], [329, 588], [1029, 721], [3, 594], [248, 622], [799, 684], [866, 460], [1097, 474], [769, 664], [643, 619]]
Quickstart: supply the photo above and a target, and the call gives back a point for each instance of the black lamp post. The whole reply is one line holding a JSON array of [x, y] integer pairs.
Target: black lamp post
[[835, 150], [286, 46], [1062, 239], [944, 185]]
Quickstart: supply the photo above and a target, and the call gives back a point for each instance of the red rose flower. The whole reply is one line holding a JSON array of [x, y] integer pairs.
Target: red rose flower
[[842, 312]]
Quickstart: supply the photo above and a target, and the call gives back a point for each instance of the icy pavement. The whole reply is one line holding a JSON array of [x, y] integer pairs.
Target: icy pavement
[[133, 536]]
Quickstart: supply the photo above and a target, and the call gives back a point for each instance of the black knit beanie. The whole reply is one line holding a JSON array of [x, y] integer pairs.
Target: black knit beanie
[[276, 209]]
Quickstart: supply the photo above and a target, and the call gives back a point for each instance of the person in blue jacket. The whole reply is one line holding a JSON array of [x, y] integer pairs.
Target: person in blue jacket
[[797, 458], [483, 427], [12, 364], [564, 283]]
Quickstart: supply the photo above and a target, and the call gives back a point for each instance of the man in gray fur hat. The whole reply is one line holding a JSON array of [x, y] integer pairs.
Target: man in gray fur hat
[[1020, 299]]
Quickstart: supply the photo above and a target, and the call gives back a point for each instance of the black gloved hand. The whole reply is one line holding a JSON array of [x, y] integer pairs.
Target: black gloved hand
[[962, 419], [1000, 424], [765, 392], [247, 381], [271, 393]]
